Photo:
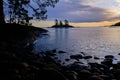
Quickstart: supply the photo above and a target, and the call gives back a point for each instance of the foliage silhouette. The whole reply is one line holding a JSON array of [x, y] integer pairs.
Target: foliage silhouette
[[19, 10], [61, 25]]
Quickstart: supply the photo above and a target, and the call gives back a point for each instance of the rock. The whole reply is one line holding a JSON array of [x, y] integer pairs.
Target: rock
[[95, 70], [50, 74], [78, 62], [61, 52], [25, 64], [96, 58], [95, 77], [118, 62], [116, 66], [82, 53], [117, 74], [118, 53], [105, 77], [93, 64], [54, 50], [77, 66], [109, 57], [78, 56], [72, 75], [87, 57], [107, 62], [50, 53], [67, 59], [84, 74]]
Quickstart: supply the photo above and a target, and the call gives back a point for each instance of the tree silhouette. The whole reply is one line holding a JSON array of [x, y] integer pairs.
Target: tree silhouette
[[1, 12], [17, 13], [61, 24], [66, 22], [56, 22], [20, 10]]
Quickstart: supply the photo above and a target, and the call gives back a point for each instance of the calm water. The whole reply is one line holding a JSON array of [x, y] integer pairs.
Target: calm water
[[98, 41]]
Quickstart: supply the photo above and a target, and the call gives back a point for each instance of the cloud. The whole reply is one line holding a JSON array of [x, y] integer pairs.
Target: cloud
[[82, 11], [117, 1]]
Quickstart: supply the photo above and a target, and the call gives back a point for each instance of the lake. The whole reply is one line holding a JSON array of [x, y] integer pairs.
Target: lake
[[95, 41]]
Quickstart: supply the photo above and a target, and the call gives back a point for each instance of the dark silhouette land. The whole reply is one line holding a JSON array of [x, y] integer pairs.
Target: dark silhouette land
[[59, 24], [116, 24]]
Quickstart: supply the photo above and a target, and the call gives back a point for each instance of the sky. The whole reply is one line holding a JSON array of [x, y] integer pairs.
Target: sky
[[83, 13]]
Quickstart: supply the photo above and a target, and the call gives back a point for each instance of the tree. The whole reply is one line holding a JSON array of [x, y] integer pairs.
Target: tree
[[19, 10], [17, 13], [1, 12], [56, 22], [61, 24], [66, 22]]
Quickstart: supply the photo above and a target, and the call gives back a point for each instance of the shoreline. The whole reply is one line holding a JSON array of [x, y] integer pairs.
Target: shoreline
[[20, 63]]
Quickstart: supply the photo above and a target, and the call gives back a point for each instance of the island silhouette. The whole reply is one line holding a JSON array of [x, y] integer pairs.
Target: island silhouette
[[59, 24]]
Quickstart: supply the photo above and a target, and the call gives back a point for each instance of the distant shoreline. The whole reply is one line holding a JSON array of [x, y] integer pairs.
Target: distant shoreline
[[62, 26]]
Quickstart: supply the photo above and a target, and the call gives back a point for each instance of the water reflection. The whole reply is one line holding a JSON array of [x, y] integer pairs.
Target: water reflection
[[61, 38], [98, 41]]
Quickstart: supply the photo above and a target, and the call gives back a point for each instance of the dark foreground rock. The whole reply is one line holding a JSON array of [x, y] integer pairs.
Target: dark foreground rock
[[19, 33], [19, 63]]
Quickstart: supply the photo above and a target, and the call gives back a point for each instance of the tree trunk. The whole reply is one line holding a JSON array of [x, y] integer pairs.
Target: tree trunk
[[1, 12]]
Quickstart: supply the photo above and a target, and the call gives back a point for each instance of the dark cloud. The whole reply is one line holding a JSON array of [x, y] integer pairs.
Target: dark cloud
[[75, 11]]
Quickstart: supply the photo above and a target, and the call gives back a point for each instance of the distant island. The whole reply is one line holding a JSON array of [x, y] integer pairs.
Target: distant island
[[116, 24], [59, 24]]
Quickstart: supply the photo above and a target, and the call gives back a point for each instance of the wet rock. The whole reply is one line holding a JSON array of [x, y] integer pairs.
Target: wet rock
[[67, 59], [61, 52], [93, 64], [94, 77], [87, 57], [25, 64], [51, 74], [84, 74], [96, 58], [50, 53], [72, 75], [54, 50], [77, 66], [95, 70], [118, 53], [56, 58], [116, 74], [78, 56], [116, 66], [78, 62], [82, 53], [118, 62], [105, 77], [109, 57], [107, 62]]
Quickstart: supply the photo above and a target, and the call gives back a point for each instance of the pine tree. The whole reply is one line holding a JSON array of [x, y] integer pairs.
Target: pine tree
[[66, 22], [56, 22]]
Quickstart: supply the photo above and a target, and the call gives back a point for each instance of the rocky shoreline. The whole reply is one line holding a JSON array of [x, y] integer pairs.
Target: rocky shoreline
[[18, 62]]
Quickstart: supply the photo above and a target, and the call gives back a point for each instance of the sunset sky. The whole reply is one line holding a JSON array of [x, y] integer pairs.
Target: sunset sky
[[84, 13]]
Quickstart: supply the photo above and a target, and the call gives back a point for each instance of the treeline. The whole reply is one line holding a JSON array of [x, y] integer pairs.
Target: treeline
[[59, 22]]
